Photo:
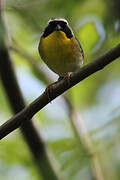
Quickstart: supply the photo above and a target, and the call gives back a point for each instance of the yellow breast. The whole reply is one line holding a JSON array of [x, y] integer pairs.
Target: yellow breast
[[59, 52]]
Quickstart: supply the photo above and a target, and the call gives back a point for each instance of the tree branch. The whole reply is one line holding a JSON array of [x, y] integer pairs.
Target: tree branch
[[57, 90], [77, 123]]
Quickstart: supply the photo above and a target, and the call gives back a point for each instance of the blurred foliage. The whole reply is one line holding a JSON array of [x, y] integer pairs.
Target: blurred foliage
[[97, 99]]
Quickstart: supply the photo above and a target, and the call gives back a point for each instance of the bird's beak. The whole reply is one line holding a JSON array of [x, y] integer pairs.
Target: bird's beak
[[58, 27]]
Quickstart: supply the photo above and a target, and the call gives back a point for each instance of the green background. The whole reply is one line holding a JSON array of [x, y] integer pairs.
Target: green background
[[96, 100]]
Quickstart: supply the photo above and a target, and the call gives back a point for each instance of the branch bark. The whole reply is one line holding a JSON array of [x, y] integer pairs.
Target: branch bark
[[59, 88]]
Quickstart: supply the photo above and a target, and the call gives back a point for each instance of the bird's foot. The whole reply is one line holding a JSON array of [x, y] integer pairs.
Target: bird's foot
[[68, 77], [48, 90]]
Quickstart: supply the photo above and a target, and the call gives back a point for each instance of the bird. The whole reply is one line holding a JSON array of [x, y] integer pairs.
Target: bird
[[59, 48]]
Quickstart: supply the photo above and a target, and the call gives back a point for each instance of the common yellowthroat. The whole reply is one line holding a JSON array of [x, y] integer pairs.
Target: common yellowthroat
[[59, 48]]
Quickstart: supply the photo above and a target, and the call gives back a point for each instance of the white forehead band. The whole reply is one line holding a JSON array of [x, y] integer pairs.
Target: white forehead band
[[58, 19]]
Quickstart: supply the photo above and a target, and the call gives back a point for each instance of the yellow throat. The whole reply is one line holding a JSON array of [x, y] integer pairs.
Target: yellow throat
[[54, 41]]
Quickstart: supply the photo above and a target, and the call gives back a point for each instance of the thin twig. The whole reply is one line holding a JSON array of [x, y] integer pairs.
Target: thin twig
[[80, 130], [58, 89], [83, 135], [34, 62]]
